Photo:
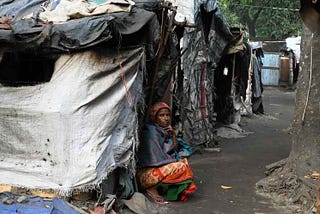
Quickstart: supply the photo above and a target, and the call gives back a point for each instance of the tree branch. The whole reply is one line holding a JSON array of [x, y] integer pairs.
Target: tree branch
[[256, 15]]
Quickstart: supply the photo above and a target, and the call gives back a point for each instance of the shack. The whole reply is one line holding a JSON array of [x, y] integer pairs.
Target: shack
[[71, 83]]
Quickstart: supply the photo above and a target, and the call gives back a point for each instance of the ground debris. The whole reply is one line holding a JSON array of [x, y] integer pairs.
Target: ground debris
[[218, 149], [232, 131], [313, 175], [226, 187], [7, 200], [22, 199]]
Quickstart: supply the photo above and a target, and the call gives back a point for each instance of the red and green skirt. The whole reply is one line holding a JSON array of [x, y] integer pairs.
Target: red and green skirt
[[175, 179]]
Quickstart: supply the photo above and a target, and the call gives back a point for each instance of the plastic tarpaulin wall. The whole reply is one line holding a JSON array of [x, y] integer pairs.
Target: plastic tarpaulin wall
[[71, 132], [204, 47]]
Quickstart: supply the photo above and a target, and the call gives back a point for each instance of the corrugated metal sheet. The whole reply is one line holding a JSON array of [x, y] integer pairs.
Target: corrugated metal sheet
[[270, 70]]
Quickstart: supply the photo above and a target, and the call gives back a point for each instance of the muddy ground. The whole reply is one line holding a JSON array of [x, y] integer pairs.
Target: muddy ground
[[241, 163]]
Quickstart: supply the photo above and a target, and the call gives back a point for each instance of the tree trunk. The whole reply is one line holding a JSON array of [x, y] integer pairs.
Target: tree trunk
[[291, 179], [252, 30], [251, 26], [305, 152]]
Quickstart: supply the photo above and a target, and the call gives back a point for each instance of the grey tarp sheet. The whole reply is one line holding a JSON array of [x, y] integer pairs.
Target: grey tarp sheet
[[71, 35], [256, 85], [71, 132]]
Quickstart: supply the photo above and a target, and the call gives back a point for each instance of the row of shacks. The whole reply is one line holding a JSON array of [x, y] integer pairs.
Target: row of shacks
[[78, 77]]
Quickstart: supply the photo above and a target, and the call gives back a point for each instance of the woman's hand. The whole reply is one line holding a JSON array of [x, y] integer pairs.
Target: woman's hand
[[170, 130]]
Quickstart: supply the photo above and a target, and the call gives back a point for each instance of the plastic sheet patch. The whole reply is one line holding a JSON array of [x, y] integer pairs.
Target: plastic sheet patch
[[10, 204]]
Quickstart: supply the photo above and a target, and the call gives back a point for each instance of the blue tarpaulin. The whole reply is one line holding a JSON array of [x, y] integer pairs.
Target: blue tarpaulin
[[32, 205]]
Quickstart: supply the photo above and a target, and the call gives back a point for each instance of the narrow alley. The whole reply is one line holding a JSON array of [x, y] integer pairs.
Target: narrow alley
[[241, 163]]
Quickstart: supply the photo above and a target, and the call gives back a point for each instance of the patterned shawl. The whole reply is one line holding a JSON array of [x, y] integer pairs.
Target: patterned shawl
[[156, 148]]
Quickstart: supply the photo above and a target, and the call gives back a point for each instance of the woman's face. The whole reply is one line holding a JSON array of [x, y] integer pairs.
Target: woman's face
[[163, 117]]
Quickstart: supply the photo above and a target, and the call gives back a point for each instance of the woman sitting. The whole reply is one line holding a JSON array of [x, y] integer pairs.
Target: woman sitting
[[163, 166]]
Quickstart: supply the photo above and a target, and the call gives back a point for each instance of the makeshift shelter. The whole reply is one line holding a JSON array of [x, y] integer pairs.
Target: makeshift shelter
[[238, 85], [70, 91], [203, 47], [214, 81]]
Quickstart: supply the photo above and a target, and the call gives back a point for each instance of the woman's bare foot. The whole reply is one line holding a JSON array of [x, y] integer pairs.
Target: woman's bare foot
[[153, 194]]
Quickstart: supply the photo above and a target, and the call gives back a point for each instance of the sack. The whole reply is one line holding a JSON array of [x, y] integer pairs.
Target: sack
[[184, 149]]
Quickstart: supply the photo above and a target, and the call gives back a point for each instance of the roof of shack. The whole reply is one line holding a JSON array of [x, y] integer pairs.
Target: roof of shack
[[62, 25]]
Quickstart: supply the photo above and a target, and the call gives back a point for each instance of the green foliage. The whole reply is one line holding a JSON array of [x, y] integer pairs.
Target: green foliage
[[264, 18], [278, 24], [231, 17]]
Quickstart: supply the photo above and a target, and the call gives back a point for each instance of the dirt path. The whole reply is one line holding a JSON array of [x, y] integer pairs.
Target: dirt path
[[241, 163]]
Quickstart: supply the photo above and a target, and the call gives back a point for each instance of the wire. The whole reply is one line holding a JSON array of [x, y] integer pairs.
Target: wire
[[266, 7], [309, 85]]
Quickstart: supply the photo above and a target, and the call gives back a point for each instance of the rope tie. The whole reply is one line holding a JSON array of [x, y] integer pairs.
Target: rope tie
[[309, 86]]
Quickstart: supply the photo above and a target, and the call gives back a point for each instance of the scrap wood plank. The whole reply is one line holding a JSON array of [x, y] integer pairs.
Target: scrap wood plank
[[5, 188], [79, 196], [45, 193], [34, 192], [82, 196], [12, 189]]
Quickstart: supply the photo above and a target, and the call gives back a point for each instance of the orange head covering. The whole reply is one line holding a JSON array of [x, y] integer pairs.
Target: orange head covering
[[156, 107]]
